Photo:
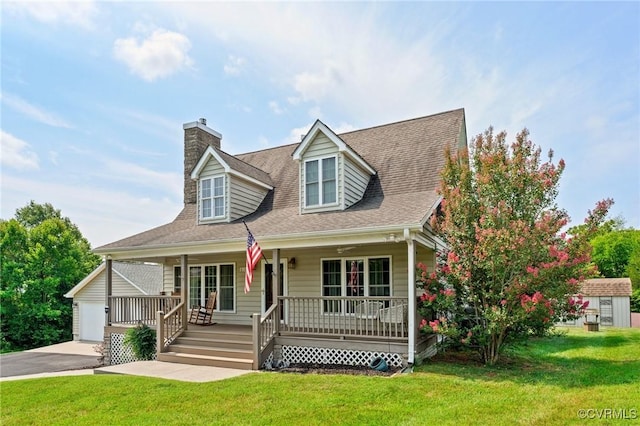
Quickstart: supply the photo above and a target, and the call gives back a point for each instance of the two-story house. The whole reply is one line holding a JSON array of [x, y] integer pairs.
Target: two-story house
[[346, 218]]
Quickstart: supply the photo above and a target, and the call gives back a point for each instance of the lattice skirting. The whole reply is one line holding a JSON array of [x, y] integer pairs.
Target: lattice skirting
[[307, 354], [121, 353]]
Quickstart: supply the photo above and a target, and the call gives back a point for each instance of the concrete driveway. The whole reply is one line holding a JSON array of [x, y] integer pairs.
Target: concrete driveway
[[54, 358]]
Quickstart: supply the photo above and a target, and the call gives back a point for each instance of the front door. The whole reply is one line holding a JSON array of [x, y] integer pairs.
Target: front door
[[267, 285]]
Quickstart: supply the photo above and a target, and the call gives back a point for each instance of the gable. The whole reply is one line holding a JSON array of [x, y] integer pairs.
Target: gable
[[243, 187], [319, 138], [342, 184], [214, 161]]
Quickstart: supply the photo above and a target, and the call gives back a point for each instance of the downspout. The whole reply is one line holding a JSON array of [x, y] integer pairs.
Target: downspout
[[411, 287]]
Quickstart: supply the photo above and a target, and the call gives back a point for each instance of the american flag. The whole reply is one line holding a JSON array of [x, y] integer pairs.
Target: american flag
[[253, 256]]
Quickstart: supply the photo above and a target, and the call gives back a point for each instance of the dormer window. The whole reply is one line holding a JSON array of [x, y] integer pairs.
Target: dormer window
[[320, 182], [212, 200]]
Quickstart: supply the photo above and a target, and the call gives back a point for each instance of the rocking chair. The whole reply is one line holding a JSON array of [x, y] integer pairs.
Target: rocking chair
[[203, 315]]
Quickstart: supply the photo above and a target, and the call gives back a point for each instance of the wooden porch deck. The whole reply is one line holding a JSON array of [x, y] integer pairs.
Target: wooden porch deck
[[354, 325]]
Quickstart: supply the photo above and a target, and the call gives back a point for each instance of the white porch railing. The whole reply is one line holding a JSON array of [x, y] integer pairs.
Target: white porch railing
[[139, 309], [371, 317]]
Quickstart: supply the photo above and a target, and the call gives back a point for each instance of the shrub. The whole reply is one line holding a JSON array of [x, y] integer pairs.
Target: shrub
[[142, 341]]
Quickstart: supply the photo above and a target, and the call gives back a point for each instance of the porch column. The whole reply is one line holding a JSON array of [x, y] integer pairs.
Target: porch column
[[184, 282], [108, 284], [276, 284], [275, 258], [411, 269]]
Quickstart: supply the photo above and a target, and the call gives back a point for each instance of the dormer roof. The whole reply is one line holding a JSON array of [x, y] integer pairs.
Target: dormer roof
[[233, 166], [320, 127]]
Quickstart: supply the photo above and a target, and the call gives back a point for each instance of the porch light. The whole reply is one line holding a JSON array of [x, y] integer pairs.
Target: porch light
[[292, 263]]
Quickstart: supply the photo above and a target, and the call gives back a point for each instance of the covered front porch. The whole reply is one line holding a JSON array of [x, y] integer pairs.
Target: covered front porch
[[326, 303], [323, 330]]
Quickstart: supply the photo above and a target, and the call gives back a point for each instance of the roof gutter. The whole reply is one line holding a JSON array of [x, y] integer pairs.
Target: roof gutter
[[288, 241]]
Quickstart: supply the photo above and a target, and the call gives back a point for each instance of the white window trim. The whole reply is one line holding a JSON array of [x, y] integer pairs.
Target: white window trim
[[321, 204], [213, 198], [217, 284], [343, 274]]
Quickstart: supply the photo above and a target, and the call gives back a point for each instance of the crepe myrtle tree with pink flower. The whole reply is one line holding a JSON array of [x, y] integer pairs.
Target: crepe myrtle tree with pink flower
[[509, 272]]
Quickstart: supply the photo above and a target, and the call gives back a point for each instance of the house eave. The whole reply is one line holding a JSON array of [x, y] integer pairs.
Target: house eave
[[369, 235]]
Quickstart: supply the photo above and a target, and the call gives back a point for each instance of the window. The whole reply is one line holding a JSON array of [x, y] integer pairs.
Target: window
[[203, 279], [606, 311], [212, 198], [355, 277], [320, 182], [226, 288], [177, 279]]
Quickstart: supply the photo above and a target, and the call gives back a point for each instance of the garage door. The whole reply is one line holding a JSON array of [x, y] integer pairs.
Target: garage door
[[91, 321]]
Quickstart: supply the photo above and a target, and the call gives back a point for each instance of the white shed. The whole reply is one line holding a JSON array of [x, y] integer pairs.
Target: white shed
[[128, 279], [611, 297]]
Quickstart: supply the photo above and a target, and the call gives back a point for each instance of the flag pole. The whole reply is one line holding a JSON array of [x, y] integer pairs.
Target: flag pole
[[245, 225]]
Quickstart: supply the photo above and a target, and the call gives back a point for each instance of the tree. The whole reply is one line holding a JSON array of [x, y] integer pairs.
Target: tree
[[43, 256], [616, 253], [508, 271]]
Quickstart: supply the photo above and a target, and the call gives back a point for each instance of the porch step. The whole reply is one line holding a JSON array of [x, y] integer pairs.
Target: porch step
[[214, 343], [212, 351], [217, 337], [211, 361], [242, 334]]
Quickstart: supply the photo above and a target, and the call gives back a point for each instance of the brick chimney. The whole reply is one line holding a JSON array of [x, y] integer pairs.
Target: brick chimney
[[197, 137]]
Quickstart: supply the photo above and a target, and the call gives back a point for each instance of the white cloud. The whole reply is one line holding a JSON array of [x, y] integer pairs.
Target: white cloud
[[140, 176], [357, 65], [16, 153], [296, 134], [103, 215], [235, 65], [159, 55], [77, 13], [343, 128], [153, 124], [275, 108], [36, 113], [316, 86], [53, 157]]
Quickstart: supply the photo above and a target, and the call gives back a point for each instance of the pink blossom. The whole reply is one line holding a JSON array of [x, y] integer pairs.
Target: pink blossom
[[537, 297], [503, 302], [449, 292]]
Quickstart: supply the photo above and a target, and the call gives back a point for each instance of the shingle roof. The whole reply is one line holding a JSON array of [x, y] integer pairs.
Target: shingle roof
[[245, 168], [406, 155], [148, 277], [607, 287]]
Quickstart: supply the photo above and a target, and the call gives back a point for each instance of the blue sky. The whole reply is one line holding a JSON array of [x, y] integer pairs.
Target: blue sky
[[94, 95]]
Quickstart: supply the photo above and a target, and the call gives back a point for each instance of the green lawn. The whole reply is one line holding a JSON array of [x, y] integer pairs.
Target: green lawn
[[544, 382]]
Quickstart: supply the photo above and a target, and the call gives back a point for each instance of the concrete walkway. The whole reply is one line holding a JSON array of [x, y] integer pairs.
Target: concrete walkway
[[172, 371], [162, 370]]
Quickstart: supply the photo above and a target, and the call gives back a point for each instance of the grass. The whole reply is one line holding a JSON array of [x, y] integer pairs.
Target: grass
[[545, 382]]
